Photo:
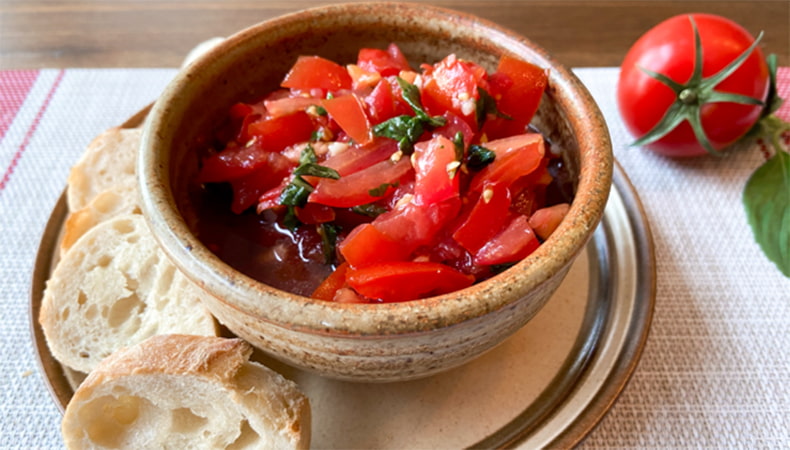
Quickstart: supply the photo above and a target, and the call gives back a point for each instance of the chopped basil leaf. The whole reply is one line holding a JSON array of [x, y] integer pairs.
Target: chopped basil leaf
[[485, 105], [296, 192], [320, 110], [381, 189], [369, 209], [407, 129], [411, 94], [458, 142], [290, 220], [479, 157], [307, 155], [404, 129], [316, 170], [328, 234]]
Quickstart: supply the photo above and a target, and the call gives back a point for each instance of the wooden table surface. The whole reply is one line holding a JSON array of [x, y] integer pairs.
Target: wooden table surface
[[158, 33]]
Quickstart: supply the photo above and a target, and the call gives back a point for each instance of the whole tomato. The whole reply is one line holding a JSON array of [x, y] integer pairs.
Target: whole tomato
[[661, 73]]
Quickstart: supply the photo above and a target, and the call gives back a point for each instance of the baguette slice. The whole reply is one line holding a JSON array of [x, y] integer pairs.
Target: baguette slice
[[177, 391], [117, 200], [108, 160], [115, 288]]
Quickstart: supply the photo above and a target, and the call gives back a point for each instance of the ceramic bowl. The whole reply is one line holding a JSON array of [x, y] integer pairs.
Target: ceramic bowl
[[366, 342]]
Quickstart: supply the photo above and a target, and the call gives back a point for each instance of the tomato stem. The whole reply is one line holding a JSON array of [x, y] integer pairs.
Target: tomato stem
[[688, 96]]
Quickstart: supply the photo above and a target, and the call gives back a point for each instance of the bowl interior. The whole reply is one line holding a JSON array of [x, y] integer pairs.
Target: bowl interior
[[251, 64]]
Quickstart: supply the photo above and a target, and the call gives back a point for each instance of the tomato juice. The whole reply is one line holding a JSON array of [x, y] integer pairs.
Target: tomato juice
[[380, 182]]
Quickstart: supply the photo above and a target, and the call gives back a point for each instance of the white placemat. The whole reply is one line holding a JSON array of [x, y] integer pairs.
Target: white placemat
[[716, 368]]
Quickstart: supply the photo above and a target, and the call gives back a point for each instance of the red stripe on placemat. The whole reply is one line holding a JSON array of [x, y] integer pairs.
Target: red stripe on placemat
[[14, 87], [18, 155]]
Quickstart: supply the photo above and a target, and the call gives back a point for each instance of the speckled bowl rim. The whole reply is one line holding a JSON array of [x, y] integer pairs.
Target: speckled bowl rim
[[375, 320]]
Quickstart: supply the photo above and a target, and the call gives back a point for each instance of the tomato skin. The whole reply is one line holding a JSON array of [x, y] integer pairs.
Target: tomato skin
[[310, 72], [406, 280], [385, 62], [354, 189], [545, 220], [516, 156], [331, 284], [348, 112], [668, 48], [433, 182], [485, 218], [367, 245], [518, 86], [276, 133], [514, 243]]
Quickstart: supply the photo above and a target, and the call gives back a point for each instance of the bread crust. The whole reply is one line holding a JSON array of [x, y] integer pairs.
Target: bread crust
[[129, 390]]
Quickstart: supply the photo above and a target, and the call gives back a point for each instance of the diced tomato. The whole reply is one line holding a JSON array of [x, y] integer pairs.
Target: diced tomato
[[516, 156], [386, 63], [518, 88], [485, 219], [248, 189], [453, 125], [288, 105], [406, 280], [436, 171], [348, 112], [545, 220], [356, 158], [314, 213], [367, 245], [271, 197], [381, 102], [316, 72], [452, 86], [329, 287], [360, 187], [233, 162], [277, 133], [361, 79], [413, 225], [514, 243]]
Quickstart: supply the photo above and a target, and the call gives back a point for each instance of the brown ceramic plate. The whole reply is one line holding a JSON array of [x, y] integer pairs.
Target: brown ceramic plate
[[548, 385]]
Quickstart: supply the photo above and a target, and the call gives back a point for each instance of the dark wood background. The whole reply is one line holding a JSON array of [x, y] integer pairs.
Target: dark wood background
[[158, 33]]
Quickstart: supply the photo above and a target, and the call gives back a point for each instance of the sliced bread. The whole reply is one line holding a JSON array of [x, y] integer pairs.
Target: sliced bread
[[113, 288], [117, 200], [108, 160], [176, 391]]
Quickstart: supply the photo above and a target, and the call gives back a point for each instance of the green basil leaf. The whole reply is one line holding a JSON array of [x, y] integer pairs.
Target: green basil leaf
[[296, 192], [381, 189], [458, 143], [404, 129], [328, 234], [485, 105], [290, 220], [369, 209], [766, 199], [316, 170], [479, 157], [308, 156], [411, 94]]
